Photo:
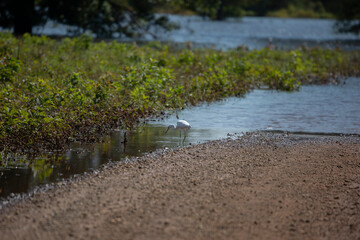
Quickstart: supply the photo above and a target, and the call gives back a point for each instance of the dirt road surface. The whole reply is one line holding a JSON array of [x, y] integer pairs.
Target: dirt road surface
[[260, 186]]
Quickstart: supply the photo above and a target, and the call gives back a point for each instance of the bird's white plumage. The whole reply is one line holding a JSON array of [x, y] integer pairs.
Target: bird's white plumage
[[182, 125]]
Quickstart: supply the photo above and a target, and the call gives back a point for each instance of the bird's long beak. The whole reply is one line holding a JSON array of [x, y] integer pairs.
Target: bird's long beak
[[167, 130]]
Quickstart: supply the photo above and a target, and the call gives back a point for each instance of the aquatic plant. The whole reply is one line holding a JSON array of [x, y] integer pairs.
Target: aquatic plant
[[56, 91]]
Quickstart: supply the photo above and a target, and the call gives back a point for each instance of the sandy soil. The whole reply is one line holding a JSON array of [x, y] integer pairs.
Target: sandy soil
[[261, 186]]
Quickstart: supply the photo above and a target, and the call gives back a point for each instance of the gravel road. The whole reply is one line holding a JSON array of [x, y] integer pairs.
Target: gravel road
[[259, 186]]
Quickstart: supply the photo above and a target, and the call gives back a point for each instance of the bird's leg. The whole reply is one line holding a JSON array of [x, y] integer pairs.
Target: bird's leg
[[184, 134], [125, 139]]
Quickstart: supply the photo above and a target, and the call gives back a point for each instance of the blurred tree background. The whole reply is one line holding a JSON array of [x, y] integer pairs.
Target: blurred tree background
[[102, 17], [130, 17]]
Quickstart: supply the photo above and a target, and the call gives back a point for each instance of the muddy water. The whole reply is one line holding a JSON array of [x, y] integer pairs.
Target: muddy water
[[314, 109]]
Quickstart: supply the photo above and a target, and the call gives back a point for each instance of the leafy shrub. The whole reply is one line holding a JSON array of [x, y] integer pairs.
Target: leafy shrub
[[8, 68], [61, 90]]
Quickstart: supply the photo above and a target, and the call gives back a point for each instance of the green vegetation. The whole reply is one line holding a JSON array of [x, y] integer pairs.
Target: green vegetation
[[53, 92], [220, 9], [312, 10]]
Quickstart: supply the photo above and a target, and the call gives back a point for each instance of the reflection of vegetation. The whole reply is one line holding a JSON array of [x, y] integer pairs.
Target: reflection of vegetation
[[42, 169], [23, 160], [58, 91], [42, 166]]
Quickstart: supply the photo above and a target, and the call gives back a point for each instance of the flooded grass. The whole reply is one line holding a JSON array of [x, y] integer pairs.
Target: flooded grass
[[54, 92]]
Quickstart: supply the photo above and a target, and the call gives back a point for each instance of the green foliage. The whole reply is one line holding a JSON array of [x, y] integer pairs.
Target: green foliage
[[72, 89], [8, 68], [215, 9], [311, 10], [220, 9]]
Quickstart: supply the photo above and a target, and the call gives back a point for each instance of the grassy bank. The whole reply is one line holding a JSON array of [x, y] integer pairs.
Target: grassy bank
[[312, 10], [53, 92]]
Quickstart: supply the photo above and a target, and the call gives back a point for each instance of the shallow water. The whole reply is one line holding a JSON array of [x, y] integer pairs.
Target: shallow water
[[316, 108], [258, 32], [313, 109]]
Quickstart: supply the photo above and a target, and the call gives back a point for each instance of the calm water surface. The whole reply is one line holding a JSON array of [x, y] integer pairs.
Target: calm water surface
[[257, 32], [313, 109], [253, 32]]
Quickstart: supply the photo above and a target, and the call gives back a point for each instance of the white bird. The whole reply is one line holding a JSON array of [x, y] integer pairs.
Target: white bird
[[182, 125]]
